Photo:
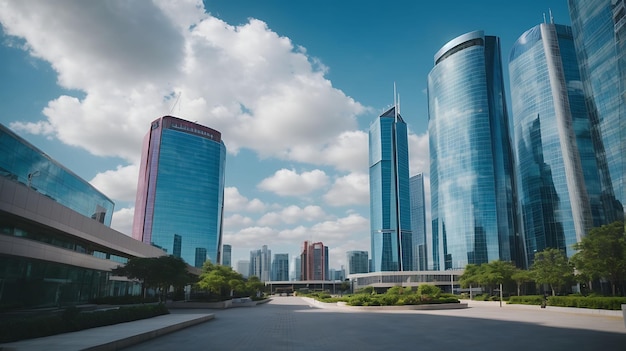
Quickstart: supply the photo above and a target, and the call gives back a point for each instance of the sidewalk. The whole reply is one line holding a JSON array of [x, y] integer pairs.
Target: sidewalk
[[112, 337]]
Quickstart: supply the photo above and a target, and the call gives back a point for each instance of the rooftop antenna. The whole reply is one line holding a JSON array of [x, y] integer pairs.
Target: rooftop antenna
[[395, 102], [176, 102], [544, 18], [551, 18]]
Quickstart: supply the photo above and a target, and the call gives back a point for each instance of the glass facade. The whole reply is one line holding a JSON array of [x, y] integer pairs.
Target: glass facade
[[226, 255], [418, 222], [471, 166], [24, 163], [260, 263], [358, 262], [390, 211], [280, 267], [599, 31], [559, 186], [180, 192]]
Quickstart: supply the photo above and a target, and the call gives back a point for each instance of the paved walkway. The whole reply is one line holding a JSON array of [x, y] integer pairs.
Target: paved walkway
[[292, 323]]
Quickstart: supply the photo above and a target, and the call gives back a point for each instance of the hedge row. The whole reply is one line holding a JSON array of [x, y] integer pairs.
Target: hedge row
[[72, 319], [602, 303]]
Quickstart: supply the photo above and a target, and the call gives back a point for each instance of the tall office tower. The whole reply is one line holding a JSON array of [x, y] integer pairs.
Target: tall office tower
[[390, 212], [358, 262], [559, 191], [418, 222], [181, 189], [471, 164], [243, 268], [226, 255], [314, 261], [280, 267], [599, 30], [260, 263]]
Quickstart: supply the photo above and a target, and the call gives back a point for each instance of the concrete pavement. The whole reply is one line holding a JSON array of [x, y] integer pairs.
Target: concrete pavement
[[293, 323]]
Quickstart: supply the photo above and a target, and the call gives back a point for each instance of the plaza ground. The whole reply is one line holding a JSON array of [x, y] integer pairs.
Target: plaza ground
[[293, 323]]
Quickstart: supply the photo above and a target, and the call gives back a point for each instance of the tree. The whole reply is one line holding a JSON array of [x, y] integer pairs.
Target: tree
[[552, 267], [156, 272], [472, 276], [221, 280], [602, 254], [521, 276]]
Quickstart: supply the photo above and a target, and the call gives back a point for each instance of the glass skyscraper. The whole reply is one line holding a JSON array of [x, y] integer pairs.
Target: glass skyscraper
[[599, 31], [260, 263], [280, 267], [471, 166], [226, 255], [358, 262], [558, 176], [390, 211], [418, 222], [180, 192]]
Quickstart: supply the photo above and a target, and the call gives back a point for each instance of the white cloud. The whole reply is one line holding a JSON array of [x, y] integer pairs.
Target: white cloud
[[352, 189], [289, 183], [130, 60], [119, 184], [234, 202], [236, 222], [347, 152], [122, 220], [292, 214], [419, 156]]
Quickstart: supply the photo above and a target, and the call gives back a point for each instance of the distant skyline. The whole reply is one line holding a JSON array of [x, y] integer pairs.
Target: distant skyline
[[291, 86]]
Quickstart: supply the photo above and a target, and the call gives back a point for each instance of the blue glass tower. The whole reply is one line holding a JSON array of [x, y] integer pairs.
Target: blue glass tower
[[390, 211], [599, 31], [560, 194], [418, 222], [471, 168], [180, 192]]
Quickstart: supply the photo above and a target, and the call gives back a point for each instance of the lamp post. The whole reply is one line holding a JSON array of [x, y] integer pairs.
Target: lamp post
[[31, 176]]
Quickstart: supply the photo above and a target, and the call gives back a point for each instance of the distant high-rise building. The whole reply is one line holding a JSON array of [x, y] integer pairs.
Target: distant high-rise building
[[297, 269], [390, 212], [418, 222], [559, 188], [471, 161], [358, 262], [243, 268], [261, 263], [226, 255], [280, 267], [178, 244], [314, 261], [181, 189], [599, 31]]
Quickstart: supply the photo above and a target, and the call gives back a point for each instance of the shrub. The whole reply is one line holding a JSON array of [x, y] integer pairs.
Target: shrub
[[71, 319], [429, 290], [359, 300], [526, 300]]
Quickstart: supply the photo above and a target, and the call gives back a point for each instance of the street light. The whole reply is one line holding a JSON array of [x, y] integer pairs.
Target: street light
[[31, 176]]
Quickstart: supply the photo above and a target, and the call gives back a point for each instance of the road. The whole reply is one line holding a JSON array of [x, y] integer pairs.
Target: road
[[289, 323]]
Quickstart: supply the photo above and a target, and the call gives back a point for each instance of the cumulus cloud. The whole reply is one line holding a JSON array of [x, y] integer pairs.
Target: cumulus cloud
[[351, 189], [133, 60], [119, 184], [292, 214], [234, 201], [287, 182], [122, 220]]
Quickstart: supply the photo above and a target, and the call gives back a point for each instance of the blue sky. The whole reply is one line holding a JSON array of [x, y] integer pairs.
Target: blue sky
[[292, 86]]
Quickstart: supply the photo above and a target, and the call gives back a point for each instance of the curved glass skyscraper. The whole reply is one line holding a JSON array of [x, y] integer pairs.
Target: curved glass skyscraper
[[180, 193], [599, 30], [390, 206], [558, 175], [471, 167]]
